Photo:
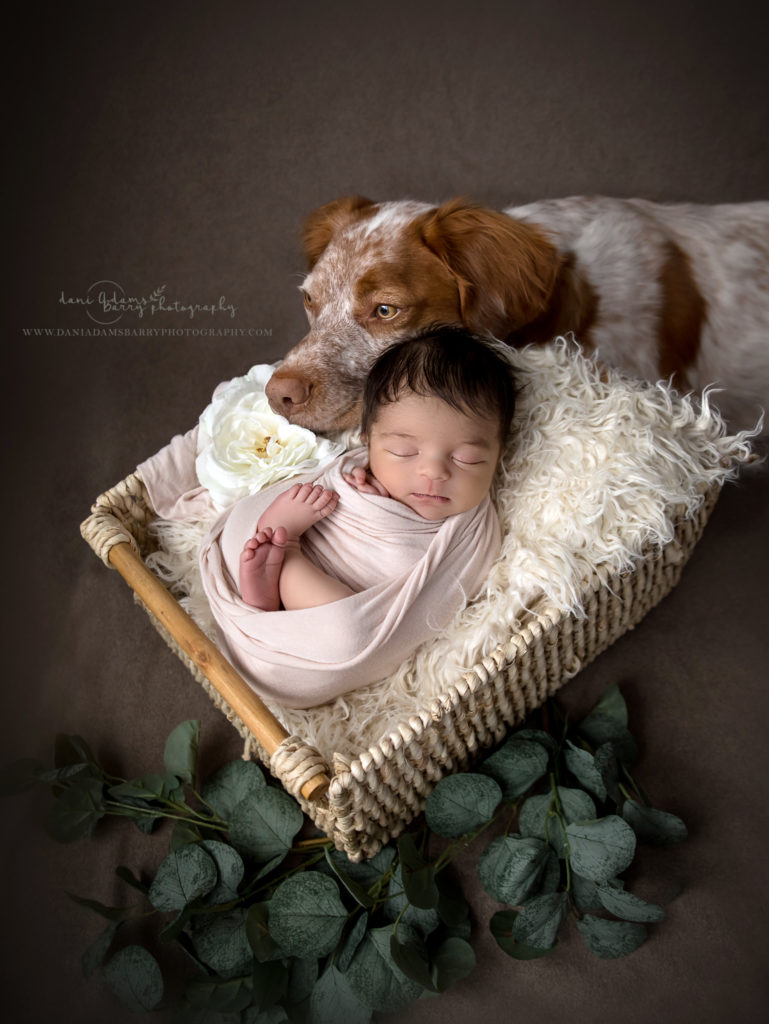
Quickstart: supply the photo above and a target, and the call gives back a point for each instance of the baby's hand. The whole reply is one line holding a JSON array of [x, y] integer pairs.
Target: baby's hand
[[363, 481]]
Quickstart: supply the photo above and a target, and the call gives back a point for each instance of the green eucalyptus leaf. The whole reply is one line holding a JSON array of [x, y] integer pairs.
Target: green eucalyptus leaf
[[231, 784], [516, 766], [72, 750], [184, 876], [181, 751], [551, 876], [230, 868], [584, 891], [611, 704], [273, 1015], [110, 913], [374, 977], [258, 932], [184, 833], [145, 816], [264, 827], [409, 851], [356, 890], [367, 872], [540, 918], [96, 953], [600, 728], [501, 926], [537, 736], [628, 907], [306, 915], [266, 869], [75, 813], [411, 958], [134, 976], [611, 939], [269, 982], [511, 867], [59, 777], [600, 848], [582, 765], [452, 908], [220, 996], [399, 908], [173, 930], [333, 1001], [607, 763], [418, 875], [575, 804], [533, 816], [607, 723], [660, 828], [452, 961], [351, 943], [302, 975], [460, 803], [126, 875], [539, 817], [146, 787], [221, 942]]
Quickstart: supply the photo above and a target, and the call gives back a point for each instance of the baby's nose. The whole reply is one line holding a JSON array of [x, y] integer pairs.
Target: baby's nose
[[434, 467]]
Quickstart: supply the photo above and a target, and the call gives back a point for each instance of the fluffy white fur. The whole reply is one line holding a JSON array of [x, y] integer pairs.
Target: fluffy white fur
[[598, 468]]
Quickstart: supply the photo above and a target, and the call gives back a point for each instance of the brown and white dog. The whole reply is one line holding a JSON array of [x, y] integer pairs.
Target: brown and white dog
[[658, 290]]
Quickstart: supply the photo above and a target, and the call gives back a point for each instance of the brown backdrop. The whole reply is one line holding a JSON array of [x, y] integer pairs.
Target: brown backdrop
[[180, 145]]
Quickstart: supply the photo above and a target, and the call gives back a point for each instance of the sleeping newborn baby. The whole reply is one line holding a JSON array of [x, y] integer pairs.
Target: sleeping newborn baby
[[334, 582], [436, 411]]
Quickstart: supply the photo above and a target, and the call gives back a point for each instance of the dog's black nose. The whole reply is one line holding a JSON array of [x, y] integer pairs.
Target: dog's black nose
[[286, 392]]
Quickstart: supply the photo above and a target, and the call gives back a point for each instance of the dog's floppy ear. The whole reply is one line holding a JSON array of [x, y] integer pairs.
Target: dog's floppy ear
[[505, 270], [323, 223]]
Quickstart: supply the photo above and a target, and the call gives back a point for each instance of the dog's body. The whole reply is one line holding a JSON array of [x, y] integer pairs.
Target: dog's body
[[658, 290]]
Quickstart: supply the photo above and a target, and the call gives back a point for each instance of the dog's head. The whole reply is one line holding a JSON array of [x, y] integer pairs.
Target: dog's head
[[383, 272]]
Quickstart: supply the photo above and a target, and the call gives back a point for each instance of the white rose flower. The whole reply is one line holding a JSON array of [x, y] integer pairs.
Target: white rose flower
[[243, 445]]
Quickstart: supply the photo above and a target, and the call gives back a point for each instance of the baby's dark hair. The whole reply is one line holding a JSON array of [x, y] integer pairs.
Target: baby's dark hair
[[448, 363]]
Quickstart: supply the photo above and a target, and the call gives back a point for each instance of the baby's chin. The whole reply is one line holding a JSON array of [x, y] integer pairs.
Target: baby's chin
[[430, 506]]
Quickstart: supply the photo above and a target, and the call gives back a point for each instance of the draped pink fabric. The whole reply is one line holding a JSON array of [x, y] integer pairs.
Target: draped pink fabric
[[410, 575]]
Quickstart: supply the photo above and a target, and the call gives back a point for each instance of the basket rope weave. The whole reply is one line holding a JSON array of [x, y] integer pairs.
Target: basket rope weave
[[373, 796]]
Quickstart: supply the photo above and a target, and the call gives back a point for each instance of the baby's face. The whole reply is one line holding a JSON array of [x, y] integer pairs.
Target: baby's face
[[435, 459]]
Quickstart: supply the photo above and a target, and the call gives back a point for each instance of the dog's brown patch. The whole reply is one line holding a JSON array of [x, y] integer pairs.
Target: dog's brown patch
[[573, 307], [414, 280], [323, 223], [682, 315], [505, 270]]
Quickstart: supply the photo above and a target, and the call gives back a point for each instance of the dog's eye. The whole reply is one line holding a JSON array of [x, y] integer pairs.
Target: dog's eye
[[385, 312]]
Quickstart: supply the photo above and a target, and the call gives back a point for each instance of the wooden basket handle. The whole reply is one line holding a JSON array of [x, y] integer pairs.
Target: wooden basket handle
[[233, 688]]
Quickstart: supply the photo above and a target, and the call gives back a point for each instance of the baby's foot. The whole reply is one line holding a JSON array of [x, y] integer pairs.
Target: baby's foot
[[261, 562], [298, 508]]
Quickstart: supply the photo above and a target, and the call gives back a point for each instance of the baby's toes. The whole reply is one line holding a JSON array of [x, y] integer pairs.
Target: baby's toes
[[303, 493], [249, 550]]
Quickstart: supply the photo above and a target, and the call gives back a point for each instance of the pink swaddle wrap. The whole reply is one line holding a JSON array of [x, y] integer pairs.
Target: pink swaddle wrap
[[411, 576]]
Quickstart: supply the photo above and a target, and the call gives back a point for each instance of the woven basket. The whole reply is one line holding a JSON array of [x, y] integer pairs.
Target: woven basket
[[364, 802]]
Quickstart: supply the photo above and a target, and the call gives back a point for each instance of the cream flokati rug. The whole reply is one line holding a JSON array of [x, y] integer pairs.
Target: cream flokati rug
[[598, 467]]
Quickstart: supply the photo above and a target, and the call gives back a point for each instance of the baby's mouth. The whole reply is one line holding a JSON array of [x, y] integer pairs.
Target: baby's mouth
[[437, 499]]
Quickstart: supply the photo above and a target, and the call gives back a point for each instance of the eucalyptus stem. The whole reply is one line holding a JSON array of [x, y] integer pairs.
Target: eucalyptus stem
[[251, 891], [121, 810], [309, 844]]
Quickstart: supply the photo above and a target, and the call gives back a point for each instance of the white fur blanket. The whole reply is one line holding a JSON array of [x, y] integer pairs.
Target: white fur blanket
[[598, 468]]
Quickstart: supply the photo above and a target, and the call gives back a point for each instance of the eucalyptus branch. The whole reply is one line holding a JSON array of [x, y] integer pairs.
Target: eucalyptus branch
[[302, 926]]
